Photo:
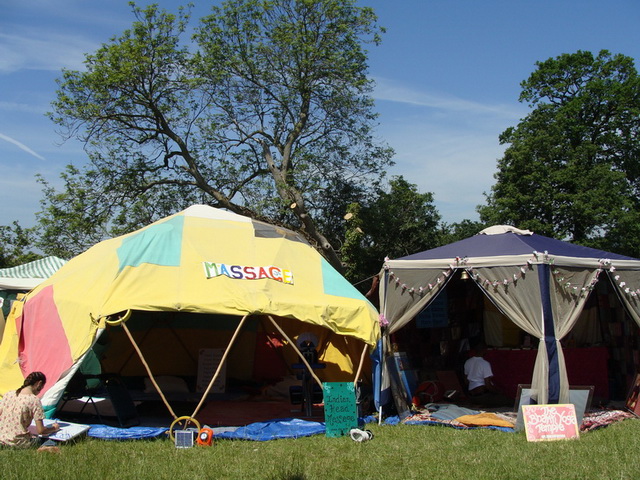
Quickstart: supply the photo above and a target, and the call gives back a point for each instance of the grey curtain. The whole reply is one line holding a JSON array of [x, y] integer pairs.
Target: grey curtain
[[520, 301], [405, 293], [627, 285], [569, 290]]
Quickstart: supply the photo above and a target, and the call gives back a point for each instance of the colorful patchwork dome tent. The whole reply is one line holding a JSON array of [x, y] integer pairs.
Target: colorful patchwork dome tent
[[211, 272]]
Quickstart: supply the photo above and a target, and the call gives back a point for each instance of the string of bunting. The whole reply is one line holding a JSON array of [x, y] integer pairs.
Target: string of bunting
[[604, 264]]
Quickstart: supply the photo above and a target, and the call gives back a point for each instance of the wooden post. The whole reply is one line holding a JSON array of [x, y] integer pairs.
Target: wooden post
[[146, 366], [359, 371], [224, 358], [295, 347]]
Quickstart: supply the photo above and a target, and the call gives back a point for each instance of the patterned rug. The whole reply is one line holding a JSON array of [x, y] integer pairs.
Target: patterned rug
[[601, 418], [591, 421]]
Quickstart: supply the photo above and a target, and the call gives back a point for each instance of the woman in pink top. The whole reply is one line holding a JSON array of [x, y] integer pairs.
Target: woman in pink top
[[18, 408]]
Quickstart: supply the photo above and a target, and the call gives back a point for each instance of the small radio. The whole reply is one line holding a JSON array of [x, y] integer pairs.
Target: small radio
[[205, 437]]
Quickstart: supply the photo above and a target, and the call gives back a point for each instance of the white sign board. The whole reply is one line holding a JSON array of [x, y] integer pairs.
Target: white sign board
[[208, 361]]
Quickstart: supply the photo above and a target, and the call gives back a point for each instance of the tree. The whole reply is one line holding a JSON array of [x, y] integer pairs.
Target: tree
[[394, 223], [455, 232], [264, 116], [571, 170], [14, 242]]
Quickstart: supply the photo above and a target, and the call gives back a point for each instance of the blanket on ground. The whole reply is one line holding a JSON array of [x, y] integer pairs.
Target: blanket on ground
[[602, 418], [499, 420], [479, 420]]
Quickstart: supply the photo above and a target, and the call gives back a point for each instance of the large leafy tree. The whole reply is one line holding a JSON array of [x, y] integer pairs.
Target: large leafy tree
[[267, 114], [571, 169], [15, 245], [455, 232], [397, 221]]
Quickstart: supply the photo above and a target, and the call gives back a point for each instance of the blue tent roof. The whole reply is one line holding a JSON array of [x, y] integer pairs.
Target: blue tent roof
[[511, 244]]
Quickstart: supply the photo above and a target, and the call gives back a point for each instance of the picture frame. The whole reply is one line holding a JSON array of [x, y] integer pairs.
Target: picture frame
[[579, 395], [633, 398]]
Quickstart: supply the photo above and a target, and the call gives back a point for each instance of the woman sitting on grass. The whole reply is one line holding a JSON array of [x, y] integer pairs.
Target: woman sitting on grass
[[18, 408]]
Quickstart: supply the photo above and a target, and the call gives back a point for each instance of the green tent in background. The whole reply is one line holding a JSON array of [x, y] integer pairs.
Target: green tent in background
[[23, 278]]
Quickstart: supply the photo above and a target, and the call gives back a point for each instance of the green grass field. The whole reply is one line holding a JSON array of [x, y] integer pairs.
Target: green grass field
[[396, 452]]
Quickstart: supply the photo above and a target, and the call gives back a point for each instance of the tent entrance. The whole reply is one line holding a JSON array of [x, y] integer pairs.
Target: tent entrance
[[602, 349], [258, 366]]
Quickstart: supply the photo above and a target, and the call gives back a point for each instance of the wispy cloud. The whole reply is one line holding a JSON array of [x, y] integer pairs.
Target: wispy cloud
[[22, 192], [444, 144], [20, 145], [23, 107], [35, 49], [387, 90]]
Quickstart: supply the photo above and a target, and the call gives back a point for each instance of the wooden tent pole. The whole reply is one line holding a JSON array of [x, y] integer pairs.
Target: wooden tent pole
[[295, 347], [364, 351], [146, 365], [219, 369]]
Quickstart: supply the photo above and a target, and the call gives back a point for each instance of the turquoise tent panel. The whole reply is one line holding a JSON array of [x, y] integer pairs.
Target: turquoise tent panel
[[160, 244], [336, 284]]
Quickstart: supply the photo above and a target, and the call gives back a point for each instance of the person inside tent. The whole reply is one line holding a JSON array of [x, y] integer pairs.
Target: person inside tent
[[479, 378], [307, 343], [18, 408]]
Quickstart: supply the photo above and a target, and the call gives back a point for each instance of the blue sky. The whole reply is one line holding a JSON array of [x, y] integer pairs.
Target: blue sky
[[447, 75]]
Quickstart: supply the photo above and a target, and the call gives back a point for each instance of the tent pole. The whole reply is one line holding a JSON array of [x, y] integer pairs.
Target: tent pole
[[381, 369], [222, 360], [364, 351], [131, 354], [295, 347], [146, 366]]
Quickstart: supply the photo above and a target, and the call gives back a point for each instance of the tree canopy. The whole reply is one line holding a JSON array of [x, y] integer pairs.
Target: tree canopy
[[266, 113], [15, 244], [396, 222], [571, 169]]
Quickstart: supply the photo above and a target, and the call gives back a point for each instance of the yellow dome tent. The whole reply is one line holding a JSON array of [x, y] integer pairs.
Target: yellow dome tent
[[228, 269]]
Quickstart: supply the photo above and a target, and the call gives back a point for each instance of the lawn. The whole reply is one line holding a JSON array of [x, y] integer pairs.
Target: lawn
[[400, 451]]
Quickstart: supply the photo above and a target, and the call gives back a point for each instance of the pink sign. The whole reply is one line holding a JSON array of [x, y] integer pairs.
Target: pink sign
[[550, 422]]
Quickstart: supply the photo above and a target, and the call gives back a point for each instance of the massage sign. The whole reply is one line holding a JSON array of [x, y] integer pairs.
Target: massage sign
[[244, 272]]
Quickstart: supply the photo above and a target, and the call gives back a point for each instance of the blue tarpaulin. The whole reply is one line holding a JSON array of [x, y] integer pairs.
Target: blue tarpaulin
[[105, 432], [274, 430]]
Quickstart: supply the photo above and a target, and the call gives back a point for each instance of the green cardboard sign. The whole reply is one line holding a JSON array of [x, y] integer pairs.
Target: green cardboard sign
[[340, 411]]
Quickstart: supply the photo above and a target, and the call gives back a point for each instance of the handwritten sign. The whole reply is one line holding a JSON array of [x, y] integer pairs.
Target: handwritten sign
[[550, 422], [208, 361], [341, 414]]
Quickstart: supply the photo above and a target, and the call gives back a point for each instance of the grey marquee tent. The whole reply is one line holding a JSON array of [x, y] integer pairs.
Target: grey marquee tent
[[539, 283]]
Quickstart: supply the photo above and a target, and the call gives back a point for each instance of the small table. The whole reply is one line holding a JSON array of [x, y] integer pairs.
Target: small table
[[307, 385]]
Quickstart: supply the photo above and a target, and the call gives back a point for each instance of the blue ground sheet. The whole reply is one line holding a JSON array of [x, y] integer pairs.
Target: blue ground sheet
[[274, 429], [106, 432]]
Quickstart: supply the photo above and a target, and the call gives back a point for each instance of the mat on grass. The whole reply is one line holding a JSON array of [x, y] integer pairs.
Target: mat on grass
[[426, 419], [591, 420], [274, 430], [106, 432], [602, 418]]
